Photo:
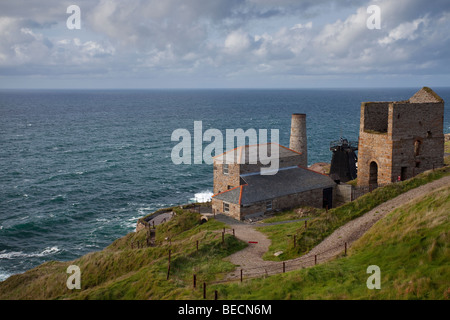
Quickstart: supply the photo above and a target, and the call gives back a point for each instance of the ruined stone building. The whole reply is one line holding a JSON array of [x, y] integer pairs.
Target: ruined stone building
[[398, 140], [241, 191]]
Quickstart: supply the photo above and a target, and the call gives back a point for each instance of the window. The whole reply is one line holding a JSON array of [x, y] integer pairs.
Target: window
[[417, 147], [225, 168], [269, 205], [226, 207]]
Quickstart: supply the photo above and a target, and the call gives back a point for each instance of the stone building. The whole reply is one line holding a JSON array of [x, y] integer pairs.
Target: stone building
[[241, 191], [401, 139]]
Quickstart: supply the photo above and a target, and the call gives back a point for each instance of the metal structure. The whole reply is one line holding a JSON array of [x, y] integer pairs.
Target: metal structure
[[344, 160]]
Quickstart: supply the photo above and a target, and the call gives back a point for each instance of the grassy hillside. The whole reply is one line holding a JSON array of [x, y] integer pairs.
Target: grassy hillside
[[120, 272], [326, 223], [410, 245]]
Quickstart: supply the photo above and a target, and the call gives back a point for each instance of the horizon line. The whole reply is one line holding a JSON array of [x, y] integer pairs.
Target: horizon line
[[227, 88]]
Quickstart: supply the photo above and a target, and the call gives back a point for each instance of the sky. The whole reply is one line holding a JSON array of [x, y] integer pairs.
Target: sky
[[224, 44]]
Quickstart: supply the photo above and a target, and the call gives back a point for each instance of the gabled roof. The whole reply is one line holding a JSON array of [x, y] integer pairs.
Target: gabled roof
[[250, 153], [232, 195], [290, 180], [425, 95]]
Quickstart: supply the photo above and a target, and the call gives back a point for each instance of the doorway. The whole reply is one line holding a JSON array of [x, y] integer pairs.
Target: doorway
[[328, 198], [373, 174], [403, 174]]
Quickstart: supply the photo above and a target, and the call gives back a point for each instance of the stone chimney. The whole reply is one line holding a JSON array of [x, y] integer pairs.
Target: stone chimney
[[298, 140]]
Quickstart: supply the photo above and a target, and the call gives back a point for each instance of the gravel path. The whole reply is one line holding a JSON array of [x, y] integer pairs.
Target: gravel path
[[250, 258]]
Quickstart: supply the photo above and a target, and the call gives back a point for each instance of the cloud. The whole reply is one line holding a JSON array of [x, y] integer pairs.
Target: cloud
[[237, 42], [235, 39], [25, 50]]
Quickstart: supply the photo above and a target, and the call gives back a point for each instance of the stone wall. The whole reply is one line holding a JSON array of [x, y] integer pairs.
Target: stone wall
[[312, 198], [375, 116], [223, 181], [234, 209], [374, 148], [413, 142], [343, 194]]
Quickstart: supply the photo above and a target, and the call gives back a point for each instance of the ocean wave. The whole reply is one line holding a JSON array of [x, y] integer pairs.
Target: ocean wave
[[19, 254], [204, 196], [130, 223], [58, 198], [4, 275], [143, 211]]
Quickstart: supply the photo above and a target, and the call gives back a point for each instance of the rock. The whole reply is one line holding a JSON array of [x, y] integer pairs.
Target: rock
[[276, 254], [321, 167]]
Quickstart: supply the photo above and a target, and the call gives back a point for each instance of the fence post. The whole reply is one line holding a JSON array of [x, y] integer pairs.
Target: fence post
[[234, 235], [315, 259], [284, 267], [168, 267], [197, 245], [204, 290], [194, 281], [215, 294], [346, 248], [223, 237], [241, 275], [295, 240]]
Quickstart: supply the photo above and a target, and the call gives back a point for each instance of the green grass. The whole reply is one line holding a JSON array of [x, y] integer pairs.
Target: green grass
[[447, 150], [119, 272], [411, 246], [324, 225]]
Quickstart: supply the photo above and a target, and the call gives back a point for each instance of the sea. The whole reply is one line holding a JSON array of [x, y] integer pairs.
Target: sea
[[79, 167]]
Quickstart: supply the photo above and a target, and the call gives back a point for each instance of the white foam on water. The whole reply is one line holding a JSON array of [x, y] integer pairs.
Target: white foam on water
[[202, 197], [130, 223], [19, 254], [4, 275], [143, 211]]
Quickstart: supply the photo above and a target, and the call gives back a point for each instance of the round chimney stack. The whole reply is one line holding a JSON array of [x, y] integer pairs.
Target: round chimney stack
[[298, 140]]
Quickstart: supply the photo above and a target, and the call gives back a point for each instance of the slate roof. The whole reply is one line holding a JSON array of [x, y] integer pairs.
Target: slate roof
[[246, 153], [287, 181]]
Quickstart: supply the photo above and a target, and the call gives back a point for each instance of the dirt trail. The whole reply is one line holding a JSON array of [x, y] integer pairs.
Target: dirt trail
[[250, 258]]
